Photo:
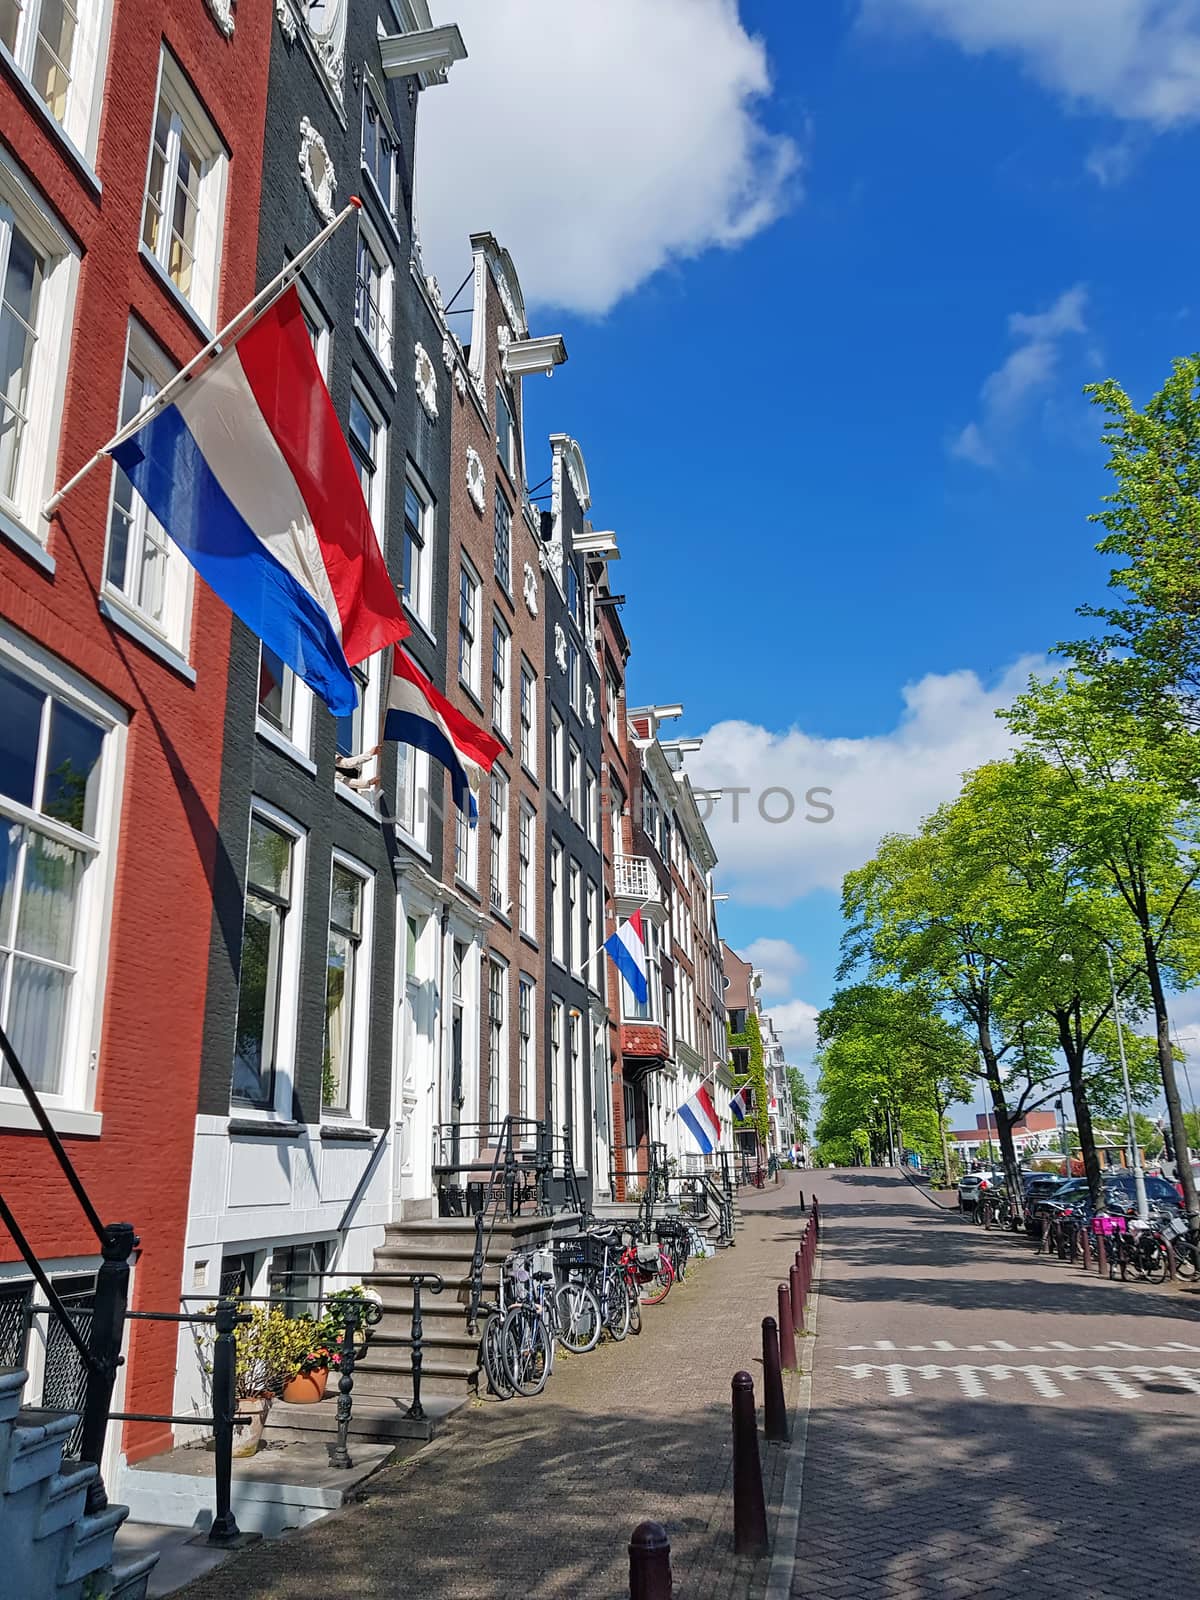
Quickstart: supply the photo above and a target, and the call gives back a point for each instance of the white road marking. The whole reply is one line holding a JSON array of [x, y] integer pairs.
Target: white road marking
[[942, 1344], [1043, 1380], [1003, 1344], [1061, 1344], [897, 1381], [1190, 1380], [969, 1382]]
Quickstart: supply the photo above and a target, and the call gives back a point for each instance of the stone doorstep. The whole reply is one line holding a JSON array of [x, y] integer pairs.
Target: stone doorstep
[[373, 1416]]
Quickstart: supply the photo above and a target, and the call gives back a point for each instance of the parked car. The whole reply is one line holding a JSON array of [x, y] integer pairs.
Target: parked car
[[1039, 1186], [972, 1184], [1120, 1194]]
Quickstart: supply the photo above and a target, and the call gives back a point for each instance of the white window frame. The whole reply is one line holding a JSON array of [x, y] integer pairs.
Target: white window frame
[[497, 1062], [295, 737], [528, 729], [416, 773], [574, 677], [576, 1056], [526, 1045], [557, 752], [360, 1000], [189, 115], [472, 676], [558, 891], [85, 1014], [466, 850], [156, 369], [613, 704], [419, 599], [498, 794], [594, 956], [378, 340], [377, 499], [507, 461], [527, 859], [574, 794], [502, 701], [320, 329], [80, 120], [592, 805], [575, 915], [558, 1076], [382, 118], [287, 1009], [502, 570], [22, 206]]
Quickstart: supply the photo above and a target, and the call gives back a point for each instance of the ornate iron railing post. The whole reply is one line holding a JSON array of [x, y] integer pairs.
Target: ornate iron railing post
[[339, 1453], [416, 1410], [224, 1529], [104, 1349]]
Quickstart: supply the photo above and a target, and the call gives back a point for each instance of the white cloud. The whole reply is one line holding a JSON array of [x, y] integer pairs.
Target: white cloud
[[1007, 392], [779, 962], [1111, 164], [876, 784], [1139, 59], [598, 143], [796, 1023]]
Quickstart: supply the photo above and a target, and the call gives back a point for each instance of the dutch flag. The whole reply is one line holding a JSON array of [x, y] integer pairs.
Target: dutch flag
[[699, 1115], [419, 715], [627, 947], [249, 473], [740, 1104]]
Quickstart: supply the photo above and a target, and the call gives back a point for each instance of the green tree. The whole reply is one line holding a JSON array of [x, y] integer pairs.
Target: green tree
[[801, 1103]]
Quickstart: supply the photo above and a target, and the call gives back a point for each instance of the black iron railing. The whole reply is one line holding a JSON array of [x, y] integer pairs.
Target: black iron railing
[[478, 1164]]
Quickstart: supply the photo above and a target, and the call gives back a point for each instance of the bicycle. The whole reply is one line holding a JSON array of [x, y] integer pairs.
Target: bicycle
[[577, 1316], [655, 1273], [525, 1337]]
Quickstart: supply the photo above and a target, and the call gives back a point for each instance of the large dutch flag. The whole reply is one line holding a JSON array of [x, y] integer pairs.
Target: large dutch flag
[[417, 714], [249, 473], [699, 1116], [627, 947], [740, 1104]]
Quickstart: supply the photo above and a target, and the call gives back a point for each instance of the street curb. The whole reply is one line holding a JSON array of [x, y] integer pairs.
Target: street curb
[[787, 1526]]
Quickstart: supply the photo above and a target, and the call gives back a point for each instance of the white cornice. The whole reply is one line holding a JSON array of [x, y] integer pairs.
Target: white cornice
[[426, 54], [525, 358]]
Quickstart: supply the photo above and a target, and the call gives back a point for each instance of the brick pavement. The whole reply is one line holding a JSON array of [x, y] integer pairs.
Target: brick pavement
[[987, 1423], [537, 1498]]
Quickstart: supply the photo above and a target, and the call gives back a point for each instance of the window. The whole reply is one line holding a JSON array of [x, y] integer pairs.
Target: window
[[527, 870], [528, 719], [556, 753], [284, 702], [592, 807], [558, 1075], [506, 434], [319, 331], [615, 816], [368, 446], [270, 961], [379, 150], [575, 918], [352, 729], [37, 267], [418, 551], [573, 677], [185, 193], [573, 592], [557, 907], [650, 814], [347, 989], [578, 1095], [57, 50], [501, 652], [592, 954], [412, 794], [526, 1011], [58, 761], [502, 543], [498, 855], [466, 849], [145, 571], [612, 696], [297, 1275], [468, 628], [497, 1098], [574, 780], [373, 293]]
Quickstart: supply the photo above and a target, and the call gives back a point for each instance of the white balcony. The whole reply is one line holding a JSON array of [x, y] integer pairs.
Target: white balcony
[[636, 888]]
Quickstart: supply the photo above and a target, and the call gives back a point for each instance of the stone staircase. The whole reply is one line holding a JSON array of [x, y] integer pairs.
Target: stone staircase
[[50, 1548]]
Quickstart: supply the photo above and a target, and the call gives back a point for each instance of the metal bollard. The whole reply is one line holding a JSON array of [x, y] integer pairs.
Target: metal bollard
[[749, 1506], [796, 1284], [775, 1419], [650, 1563], [787, 1333], [1085, 1249], [1101, 1256], [1074, 1248], [1044, 1237]]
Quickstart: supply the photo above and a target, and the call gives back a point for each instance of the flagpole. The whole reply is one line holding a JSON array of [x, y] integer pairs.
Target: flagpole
[[253, 310]]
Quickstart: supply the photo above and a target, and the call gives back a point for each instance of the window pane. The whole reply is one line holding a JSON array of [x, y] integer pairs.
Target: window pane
[[53, 54], [339, 989], [10, 19], [37, 1021], [18, 336], [10, 844], [73, 768], [274, 690], [254, 1039], [345, 908], [49, 891], [20, 725], [270, 858]]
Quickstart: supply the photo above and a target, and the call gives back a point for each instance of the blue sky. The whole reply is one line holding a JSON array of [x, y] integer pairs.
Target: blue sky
[[847, 458]]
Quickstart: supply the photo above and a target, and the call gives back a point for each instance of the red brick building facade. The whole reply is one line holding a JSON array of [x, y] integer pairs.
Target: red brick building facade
[[129, 193]]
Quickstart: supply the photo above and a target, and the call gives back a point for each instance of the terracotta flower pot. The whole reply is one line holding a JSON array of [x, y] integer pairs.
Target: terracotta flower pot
[[306, 1388], [247, 1435]]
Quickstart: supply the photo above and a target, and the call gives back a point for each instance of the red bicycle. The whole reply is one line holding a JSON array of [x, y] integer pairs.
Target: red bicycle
[[648, 1273]]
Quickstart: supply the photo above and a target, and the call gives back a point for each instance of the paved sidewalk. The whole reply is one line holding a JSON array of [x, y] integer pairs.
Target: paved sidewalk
[[987, 1423], [538, 1498]]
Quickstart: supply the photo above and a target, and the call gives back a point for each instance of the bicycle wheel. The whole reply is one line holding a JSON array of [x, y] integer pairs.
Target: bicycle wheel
[[492, 1355], [635, 1310], [526, 1346], [1151, 1260], [1185, 1258], [616, 1307], [578, 1318], [656, 1284]]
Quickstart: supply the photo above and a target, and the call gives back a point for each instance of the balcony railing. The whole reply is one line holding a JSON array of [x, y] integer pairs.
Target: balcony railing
[[636, 879]]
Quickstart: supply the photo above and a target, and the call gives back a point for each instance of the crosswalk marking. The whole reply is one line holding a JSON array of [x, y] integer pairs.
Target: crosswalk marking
[[944, 1347], [1045, 1381]]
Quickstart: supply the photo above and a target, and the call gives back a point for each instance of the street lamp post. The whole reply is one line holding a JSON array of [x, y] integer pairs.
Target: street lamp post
[[1139, 1177], [1062, 1134]]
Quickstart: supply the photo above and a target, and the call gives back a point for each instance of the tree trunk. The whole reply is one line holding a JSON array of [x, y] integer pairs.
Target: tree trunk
[[1069, 1045], [1166, 1064], [1008, 1151], [941, 1116]]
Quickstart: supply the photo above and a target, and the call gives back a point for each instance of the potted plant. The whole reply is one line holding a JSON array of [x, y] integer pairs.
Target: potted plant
[[307, 1385], [269, 1349]]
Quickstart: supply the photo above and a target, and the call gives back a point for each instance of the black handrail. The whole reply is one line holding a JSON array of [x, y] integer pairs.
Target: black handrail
[[42, 1117]]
